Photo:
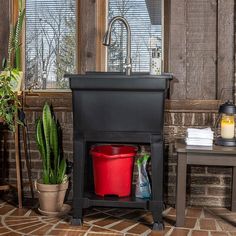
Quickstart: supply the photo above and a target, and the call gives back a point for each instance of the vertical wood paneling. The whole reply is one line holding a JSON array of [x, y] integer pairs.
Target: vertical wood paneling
[[78, 38], [14, 11], [234, 86], [166, 33], [101, 17], [87, 36], [4, 29], [201, 49], [225, 68], [177, 60]]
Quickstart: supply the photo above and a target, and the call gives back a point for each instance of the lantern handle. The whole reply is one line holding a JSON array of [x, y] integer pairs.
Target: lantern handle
[[215, 126]]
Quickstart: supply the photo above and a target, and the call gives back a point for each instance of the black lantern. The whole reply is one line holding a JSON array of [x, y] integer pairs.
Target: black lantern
[[226, 124]]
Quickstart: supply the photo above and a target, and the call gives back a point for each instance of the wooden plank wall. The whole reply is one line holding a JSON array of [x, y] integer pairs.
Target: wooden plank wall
[[177, 51], [91, 25], [4, 29], [202, 49], [225, 69], [87, 36]]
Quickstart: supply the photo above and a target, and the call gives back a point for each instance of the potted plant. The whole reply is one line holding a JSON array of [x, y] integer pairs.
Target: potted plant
[[11, 76], [8, 97], [52, 186]]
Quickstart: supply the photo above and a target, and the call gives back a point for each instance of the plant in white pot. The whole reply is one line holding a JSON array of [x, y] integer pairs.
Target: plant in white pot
[[54, 183]]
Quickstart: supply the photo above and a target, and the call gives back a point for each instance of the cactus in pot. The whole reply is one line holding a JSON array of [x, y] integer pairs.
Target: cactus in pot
[[53, 165]]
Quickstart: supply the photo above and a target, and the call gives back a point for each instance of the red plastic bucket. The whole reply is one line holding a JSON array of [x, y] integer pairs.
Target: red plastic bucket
[[112, 169]]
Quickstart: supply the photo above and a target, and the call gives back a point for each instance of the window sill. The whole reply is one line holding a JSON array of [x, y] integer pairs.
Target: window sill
[[48, 91]]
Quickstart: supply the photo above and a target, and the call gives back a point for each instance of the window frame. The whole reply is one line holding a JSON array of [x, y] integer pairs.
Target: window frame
[[90, 52]]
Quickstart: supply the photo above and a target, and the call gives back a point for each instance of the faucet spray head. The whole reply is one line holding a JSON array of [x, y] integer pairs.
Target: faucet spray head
[[107, 39]]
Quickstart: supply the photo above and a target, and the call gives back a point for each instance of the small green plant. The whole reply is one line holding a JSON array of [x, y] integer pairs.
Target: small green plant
[[47, 138], [8, 97], [10, 75]]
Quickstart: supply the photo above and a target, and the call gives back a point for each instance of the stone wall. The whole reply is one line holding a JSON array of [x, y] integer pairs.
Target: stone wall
[[206, 185]]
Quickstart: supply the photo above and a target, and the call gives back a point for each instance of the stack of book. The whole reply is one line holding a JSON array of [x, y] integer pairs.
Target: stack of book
[[199, 137]]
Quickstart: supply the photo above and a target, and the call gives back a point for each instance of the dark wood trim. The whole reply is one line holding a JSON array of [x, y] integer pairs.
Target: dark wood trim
[[234, 85], [87, 36], [4, 29], [166, 32], [35, 93], [190, 105], [101, 16], [34, 101], [225, 49], [170, 105], [14, 10], [78, 38]]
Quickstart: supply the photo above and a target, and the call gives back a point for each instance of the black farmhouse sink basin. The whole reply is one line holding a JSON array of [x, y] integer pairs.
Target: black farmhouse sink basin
[[109, 102]]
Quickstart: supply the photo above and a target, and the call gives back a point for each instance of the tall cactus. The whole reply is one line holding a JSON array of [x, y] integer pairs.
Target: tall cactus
[[47, 133]]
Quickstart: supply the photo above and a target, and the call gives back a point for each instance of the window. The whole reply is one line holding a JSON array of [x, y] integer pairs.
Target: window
[[144, 17], [50, 42]]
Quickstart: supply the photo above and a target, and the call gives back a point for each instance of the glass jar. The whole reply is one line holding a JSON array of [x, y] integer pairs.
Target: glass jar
[[227, 126]]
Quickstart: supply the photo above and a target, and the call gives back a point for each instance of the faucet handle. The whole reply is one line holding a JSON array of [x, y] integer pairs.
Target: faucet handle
[[127, 65]]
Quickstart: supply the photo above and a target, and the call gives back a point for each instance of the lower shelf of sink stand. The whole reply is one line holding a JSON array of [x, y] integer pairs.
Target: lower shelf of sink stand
[[91, 199]]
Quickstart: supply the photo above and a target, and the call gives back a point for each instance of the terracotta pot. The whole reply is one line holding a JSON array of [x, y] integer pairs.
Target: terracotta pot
[[51, 196], [1, 120]]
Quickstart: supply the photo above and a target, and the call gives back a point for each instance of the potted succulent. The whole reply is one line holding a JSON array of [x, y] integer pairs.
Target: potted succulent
[[11, 76], [52, 186]]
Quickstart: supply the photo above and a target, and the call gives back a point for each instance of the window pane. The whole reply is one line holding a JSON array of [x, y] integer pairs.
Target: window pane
[[145, 33], [50, 42]]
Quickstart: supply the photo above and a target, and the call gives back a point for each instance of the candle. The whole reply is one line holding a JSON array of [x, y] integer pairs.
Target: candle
[[227, 127]]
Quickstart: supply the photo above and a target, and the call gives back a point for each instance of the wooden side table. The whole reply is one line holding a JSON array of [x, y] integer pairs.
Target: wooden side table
[[186, 155]]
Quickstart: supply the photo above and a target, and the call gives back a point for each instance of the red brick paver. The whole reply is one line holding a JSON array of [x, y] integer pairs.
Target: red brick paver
[[115, 222]]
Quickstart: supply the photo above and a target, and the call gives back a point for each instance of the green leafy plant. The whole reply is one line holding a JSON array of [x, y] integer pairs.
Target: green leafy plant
[[47, 138], [8, 97], [10, 75]]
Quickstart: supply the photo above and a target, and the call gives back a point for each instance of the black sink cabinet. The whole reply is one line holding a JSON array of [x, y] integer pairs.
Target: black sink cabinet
[[114, 108]]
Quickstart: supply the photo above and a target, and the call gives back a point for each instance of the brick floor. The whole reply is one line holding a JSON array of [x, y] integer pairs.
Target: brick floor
[[116, 222], [208, 224]]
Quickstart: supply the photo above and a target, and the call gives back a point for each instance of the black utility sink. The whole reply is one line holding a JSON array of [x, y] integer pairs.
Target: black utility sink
[[117, 102], [116, 108]]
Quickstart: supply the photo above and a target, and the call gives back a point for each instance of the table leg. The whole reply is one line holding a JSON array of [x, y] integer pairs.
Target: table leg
[[24, 134], [17, 159], [156, 203], [78, 177], [181, 189], [233, 197]]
